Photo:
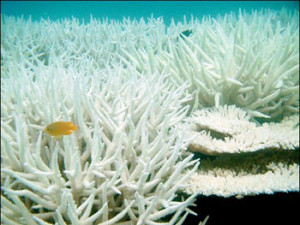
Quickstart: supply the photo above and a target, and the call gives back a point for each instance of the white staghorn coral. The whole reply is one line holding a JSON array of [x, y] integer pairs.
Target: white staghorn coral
[[128, 160], [250, 60], [120, 167]]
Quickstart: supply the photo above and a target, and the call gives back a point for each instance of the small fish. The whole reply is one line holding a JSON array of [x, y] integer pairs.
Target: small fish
[[60, 128], [186, 33]]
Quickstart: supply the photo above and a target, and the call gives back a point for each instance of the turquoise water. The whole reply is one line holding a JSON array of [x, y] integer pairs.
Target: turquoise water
[[117, 10]]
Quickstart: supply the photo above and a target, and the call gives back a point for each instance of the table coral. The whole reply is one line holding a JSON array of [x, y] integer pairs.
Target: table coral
[[228, 130], [239, 157]]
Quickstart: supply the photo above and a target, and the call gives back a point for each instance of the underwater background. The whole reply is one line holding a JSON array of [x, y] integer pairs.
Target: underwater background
[[221, 211], [135, 9]]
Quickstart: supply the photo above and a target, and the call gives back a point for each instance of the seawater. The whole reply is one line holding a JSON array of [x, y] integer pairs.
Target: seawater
[[135, 9]]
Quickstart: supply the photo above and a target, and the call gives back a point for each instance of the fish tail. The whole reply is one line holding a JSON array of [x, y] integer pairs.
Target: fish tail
[[74, 127]]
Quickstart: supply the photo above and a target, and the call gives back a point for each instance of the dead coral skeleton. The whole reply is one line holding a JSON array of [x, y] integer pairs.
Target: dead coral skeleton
[[227, 129], [239, 157], [249, 60], [121, 166]]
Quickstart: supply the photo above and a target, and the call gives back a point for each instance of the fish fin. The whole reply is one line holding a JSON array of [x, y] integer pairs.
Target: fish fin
[[68, 132], [74, 127]]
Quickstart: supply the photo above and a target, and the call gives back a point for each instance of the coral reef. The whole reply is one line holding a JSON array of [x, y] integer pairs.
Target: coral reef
[[246, 174], [250, 60], [239, 157], [128, 86], [121, 166], [227, 129]]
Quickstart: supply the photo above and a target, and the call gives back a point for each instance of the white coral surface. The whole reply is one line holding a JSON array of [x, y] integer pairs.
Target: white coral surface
[[235, 133], [226, 183], [249, 60], [245, 158], [127, 85], [123, 163]]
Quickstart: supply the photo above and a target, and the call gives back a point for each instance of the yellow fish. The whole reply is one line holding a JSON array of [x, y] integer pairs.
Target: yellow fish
[[60, 128]]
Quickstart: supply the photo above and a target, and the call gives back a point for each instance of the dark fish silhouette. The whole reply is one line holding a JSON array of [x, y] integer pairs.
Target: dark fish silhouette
[[186, 33]]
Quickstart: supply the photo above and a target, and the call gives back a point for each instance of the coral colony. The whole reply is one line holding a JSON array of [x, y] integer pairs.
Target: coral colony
[[272, 162], [149, 102]]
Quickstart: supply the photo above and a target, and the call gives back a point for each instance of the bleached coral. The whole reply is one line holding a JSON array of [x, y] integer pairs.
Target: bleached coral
[[124, 165], [249, 60], [227, 129], [239, 157], [226, 183], [121, 167]]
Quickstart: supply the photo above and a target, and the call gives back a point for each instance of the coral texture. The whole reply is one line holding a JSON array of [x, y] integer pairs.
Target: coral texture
[[228, 182], [128, 85], [121, 166], [239, 157], [227, 129], [250, 60]]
